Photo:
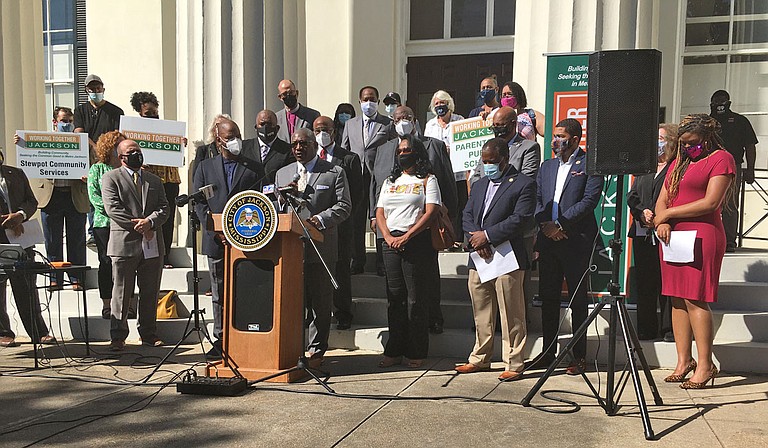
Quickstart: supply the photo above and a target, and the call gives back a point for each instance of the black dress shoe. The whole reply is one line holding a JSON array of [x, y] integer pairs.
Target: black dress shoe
[[436, 328], [343, 325], [215, 352]]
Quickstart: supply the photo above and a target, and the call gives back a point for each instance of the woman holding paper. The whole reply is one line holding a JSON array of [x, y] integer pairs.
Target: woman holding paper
[[409, 199], [697, 183], [642, 203]]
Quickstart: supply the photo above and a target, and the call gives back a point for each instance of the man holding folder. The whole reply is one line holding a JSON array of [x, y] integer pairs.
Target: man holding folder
[[499, 206]]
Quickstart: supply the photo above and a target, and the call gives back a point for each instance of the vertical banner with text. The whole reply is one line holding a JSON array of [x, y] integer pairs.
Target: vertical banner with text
[[567, 83]]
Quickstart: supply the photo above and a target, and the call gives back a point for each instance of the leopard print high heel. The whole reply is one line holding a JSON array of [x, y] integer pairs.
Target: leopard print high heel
[[679, 378], [694, 385]]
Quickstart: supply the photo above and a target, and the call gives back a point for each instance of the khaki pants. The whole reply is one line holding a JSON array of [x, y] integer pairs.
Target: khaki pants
[[506, 294]]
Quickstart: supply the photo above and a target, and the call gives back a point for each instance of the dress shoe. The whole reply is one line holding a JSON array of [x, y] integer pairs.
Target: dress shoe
[[389, 361], [152, 342], [679, 378], [436, 328], [355, 269], [576, 367], [215, 352], [471, 368], [509, 375], [316, 359], [343, 325], [8, 341], [415, 363], [106, 313], [47, 340], [540, 362], [694, 385], [117, 346]]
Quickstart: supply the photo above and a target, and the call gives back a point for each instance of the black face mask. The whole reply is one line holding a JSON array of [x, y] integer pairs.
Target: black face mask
[[500, 131], [720, 108], [290, 101], [406, 161], [134, 160], [266, 133]]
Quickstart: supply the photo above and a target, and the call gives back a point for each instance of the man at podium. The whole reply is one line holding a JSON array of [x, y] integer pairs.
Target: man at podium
[[228, 177], [323, 197]]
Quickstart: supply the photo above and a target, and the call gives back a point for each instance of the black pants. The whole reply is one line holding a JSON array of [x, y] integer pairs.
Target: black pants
[[731, 213], [463, 196], [648, 276], [569, 259], [171, 192], [360, 222], [408, 285], [27, 304], [101, 236], [342, 297]]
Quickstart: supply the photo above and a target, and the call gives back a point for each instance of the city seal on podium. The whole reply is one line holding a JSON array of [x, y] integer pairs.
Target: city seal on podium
[[249, 220]]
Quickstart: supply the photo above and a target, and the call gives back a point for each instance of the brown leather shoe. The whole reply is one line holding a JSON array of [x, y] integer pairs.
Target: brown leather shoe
[[576, 367], [117, 346], [509, 375], [152, 342], [8, 341], [471, 368]]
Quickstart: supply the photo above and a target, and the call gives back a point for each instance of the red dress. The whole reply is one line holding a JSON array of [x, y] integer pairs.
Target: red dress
[[699, 279]]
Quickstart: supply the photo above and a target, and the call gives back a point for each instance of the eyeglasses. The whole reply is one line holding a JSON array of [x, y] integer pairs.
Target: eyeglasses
[[301, 144], [286, 93]]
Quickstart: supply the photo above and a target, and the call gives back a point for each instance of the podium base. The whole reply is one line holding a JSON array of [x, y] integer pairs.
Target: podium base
[[251, 374]]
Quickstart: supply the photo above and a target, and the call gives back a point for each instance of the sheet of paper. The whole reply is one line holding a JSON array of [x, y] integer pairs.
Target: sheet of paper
[[680, 247], [151, 250], [33, 234], [503, 262]]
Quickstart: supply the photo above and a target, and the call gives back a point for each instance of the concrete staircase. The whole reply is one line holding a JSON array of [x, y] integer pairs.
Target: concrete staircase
[[740, 315]]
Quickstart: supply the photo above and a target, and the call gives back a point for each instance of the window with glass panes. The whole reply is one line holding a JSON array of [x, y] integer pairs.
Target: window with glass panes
[[59, 53], [453, 19], [726, 47]]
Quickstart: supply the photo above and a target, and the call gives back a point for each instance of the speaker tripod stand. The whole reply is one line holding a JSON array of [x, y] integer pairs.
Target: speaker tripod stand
[[618, 321]]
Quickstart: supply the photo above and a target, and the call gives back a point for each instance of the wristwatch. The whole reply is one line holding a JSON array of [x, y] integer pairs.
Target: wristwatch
[[557, 223]]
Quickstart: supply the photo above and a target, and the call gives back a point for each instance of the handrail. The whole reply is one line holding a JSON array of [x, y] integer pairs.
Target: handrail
[[756, 188]]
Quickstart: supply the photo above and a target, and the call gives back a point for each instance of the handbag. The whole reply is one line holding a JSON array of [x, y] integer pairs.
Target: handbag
[[443, 235], [166, 305]]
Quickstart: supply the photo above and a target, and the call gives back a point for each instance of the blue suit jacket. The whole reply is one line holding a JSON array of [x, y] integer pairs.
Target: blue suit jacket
[[581, 194], [508, 212]]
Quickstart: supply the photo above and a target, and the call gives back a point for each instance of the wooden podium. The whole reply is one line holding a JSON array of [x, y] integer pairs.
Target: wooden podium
[[257, 353]]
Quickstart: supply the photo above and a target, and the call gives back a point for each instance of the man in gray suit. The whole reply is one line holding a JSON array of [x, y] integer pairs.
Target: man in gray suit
[[324, 191], [135, 202], [442, 168], [362, 136], [294, 115]]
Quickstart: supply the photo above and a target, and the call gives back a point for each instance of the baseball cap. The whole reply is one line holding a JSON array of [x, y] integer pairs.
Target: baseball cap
[[392, 97], [93, 78]]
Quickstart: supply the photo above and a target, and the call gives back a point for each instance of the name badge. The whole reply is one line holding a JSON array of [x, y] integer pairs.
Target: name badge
[[322, 187]]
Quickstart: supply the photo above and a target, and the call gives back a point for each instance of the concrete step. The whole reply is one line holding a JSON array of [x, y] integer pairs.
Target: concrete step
[[730, 357], [452, 287], [742, 296], [747, 265]]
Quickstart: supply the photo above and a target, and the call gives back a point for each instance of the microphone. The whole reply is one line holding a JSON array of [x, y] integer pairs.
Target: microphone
[[203, 194]]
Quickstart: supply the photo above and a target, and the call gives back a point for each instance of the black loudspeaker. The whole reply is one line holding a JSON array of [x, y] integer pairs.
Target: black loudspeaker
[[623, 111]]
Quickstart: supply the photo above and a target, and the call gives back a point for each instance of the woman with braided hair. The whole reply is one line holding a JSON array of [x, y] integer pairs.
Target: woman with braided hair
[[693, 195]]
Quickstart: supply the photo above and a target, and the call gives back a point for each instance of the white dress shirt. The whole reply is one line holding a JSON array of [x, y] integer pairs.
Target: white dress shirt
[[563, 170]]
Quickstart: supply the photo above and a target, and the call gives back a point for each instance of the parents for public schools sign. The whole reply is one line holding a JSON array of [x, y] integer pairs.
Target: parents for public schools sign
[[161, 141], [467, 140], [52, 155]]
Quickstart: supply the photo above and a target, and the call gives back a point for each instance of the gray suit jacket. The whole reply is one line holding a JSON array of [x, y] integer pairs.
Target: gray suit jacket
[[524, 156], [122, 204], [327, 196], [352, 140], [305, 116]]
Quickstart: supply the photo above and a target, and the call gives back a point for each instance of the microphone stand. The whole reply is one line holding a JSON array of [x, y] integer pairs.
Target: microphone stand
[[194, 226], [303, 362]]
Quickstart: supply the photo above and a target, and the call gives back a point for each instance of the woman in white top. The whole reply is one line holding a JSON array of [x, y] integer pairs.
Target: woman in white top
[[442, 105], [409, 199]]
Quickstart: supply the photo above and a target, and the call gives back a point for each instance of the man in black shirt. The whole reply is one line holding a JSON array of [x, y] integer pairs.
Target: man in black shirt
[[740, 140], [98, 115]]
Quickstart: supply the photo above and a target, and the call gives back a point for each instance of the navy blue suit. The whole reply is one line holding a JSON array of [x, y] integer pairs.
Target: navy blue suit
[[506, 218], [567, 258]]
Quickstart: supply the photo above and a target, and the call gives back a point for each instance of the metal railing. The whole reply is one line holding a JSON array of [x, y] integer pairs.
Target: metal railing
[[752, 232]]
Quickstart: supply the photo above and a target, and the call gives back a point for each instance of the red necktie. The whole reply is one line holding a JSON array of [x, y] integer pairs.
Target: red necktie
[[322, 153]]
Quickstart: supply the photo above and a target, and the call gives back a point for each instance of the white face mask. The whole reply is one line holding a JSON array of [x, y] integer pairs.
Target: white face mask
[[369, 108], [234, 146], [390, 108], [323, 139], [404, 127]]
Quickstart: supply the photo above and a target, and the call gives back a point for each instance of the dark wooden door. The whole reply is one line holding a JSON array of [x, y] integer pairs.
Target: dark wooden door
[[459, 75]]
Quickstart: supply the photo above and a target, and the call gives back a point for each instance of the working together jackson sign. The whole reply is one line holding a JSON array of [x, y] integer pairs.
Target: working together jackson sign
[[567, 81], [161, 141], [52, 155]]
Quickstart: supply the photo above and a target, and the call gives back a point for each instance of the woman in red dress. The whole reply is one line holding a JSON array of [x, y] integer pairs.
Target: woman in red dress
[[693, 195]]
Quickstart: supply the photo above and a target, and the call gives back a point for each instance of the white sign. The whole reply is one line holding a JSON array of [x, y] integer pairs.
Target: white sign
[[52, 155], [161, 141], [467, 140]]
